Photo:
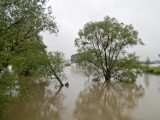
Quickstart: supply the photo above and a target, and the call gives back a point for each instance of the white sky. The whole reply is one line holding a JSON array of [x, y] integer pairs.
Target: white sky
[[71, 15]]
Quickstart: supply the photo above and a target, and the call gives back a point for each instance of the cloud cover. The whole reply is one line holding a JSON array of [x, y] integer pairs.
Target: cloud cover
[[71, 15]]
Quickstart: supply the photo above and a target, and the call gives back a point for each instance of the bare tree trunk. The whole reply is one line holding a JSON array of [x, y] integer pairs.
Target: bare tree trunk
[[59, 80], [55, 74], [107, 76]]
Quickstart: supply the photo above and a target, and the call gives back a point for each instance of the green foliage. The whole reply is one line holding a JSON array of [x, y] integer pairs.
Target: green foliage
[[7, 84], [156, 70], [3, 105], [102, 49], [21, 22], [153, 70], [53, 66], [21, 43]]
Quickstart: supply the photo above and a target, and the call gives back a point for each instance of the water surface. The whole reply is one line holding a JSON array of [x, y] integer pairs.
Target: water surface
[[87, 100]]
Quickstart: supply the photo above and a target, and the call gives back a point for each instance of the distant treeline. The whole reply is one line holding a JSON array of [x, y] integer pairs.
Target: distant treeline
[[74, 57], [151, 62]]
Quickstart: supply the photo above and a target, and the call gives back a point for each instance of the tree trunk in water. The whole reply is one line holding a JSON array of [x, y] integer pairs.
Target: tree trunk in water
[[107, 77], [55, 74], [59, 80]]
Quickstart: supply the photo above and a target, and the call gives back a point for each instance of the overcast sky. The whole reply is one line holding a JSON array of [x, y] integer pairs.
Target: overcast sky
[[71, 15]]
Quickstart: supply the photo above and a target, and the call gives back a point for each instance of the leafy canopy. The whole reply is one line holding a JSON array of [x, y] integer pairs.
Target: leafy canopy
[[21, 43], [21, 23], [102, 49]]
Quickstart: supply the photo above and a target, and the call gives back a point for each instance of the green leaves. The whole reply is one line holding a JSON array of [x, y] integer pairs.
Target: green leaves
[[54, 66], [56, 60], [21, 23], [102, 46], [21, 45]]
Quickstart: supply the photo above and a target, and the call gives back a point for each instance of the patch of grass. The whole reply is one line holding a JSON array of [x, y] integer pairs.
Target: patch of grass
[[153, 70]]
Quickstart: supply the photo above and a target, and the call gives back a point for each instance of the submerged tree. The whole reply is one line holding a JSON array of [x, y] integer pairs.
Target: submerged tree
[[21, 42], [102, 49], [53, 66]]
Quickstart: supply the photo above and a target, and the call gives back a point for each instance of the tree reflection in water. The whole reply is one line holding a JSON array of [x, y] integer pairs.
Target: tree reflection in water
[[45, 104], [110, 101]]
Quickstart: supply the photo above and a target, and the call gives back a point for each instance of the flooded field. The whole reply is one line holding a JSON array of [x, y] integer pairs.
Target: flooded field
[[87, 100]]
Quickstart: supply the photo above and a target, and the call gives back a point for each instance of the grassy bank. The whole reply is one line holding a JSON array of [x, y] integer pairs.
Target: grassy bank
[[152, 70]]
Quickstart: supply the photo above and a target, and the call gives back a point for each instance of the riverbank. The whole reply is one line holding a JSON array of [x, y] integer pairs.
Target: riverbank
[[153, 70]]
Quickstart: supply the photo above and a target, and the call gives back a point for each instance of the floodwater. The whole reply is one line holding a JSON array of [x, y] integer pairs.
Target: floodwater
[[87, 100]]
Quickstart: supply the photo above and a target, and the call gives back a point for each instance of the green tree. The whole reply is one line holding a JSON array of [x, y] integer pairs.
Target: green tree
[[6, 86], [53, 66], [102, 48], [21, 42], [21, 24]]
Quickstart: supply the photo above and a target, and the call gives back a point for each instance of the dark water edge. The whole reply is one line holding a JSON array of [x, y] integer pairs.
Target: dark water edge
[[87, 100]]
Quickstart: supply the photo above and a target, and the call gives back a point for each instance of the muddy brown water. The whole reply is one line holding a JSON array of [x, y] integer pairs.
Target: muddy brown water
[[87, 100]]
